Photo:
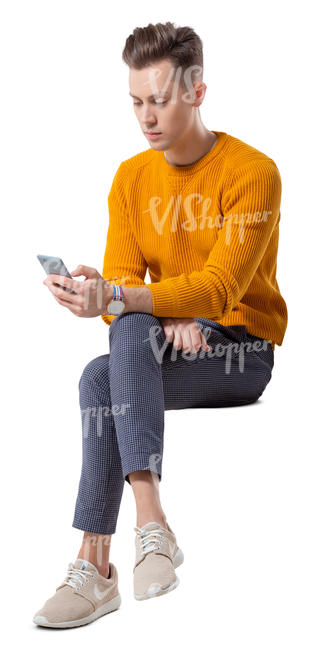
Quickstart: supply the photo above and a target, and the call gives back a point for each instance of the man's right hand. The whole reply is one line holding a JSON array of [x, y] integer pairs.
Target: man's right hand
[[185, 334]]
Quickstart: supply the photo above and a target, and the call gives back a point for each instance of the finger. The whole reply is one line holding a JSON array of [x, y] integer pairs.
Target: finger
[[177, 342], [88, 271], [59, 281], [62, 301], [73, 308], [205, 346], [194, 335], [71, 298], [195, 338], [169, 333], [63, 281], [188, 345]]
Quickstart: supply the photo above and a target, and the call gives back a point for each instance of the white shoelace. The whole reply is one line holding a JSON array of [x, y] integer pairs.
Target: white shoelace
[[76, 576], [149, 539]]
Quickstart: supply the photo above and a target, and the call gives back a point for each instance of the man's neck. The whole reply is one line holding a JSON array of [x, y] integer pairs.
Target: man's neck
[[199, 149]]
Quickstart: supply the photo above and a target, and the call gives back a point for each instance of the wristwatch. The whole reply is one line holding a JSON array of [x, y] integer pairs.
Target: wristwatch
[[116, 305]]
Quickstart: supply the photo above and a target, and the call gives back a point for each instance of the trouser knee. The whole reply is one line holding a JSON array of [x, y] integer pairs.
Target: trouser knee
[[94, 382], [136, 330]]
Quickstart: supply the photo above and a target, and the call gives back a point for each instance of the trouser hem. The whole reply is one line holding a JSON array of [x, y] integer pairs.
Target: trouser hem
[[135, 467], [87, 519]]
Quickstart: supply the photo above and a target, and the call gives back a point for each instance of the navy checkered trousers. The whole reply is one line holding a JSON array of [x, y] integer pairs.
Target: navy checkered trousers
[[123, 396]]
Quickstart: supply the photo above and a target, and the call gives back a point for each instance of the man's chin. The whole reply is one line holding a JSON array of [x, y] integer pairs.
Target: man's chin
[[157, 145]]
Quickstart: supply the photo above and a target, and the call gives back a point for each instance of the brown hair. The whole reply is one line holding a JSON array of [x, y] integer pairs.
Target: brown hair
[[181, 45]]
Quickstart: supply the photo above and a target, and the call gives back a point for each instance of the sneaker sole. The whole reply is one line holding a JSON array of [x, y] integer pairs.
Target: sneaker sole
[[155, 589], [106, 608]]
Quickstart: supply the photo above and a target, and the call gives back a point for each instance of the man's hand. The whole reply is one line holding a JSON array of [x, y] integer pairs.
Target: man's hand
[[89, 298], [185, 333]]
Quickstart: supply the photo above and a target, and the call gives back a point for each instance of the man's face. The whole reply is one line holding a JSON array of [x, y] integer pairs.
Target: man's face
[[161, 104]]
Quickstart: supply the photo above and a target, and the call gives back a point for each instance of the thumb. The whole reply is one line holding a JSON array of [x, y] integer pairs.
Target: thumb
[[81, 269]]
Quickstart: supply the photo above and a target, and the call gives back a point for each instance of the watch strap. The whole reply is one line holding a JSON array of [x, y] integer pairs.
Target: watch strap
[[117, 292]]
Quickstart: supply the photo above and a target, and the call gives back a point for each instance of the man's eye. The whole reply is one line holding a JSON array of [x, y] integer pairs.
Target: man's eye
[[158, 103]]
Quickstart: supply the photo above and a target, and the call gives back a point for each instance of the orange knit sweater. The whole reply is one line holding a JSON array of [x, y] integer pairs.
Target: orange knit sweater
[[207, 233]]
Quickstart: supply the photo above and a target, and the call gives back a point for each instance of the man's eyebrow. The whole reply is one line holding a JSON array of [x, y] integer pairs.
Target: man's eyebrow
[[154, 96]]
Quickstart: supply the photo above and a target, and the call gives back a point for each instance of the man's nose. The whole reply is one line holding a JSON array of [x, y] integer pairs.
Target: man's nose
[[147, 117]]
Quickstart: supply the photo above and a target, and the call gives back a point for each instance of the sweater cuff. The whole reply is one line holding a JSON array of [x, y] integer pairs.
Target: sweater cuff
[[164, 298]]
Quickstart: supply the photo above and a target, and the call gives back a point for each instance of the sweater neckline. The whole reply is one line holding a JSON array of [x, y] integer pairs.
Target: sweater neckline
[[186, 170]]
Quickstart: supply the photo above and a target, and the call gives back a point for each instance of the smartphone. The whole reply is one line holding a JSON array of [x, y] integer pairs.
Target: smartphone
[[55, 265]]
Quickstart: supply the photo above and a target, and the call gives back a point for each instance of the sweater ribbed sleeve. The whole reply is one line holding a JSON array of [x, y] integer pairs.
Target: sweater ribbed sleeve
[[123, 260], [251, 209]]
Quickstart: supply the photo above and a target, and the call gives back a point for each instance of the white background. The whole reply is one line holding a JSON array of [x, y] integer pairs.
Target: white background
[[247, 490]]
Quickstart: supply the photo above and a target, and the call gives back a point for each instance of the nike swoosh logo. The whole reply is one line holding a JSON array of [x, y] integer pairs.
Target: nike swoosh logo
[[101, 594]]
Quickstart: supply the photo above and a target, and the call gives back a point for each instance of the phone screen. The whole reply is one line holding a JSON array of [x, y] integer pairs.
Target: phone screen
[[55, 265]]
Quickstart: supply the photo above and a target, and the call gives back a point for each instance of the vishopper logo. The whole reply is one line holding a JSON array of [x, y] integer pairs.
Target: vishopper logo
[[241, 221], [99, 541], [154, 462], [191, 73], [200, 221], [233, 351], [97, 288], [100, 412], [174, 205]]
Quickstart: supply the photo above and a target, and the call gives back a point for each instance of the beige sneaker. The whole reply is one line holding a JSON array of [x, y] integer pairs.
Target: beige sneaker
[[157, 555], [82, 597]]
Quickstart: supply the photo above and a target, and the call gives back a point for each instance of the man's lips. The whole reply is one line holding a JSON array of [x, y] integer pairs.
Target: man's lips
[[152, 132]]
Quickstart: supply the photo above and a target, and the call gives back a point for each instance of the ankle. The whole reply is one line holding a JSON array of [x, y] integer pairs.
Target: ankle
[[104, 571], [96, 549], [103, 568], [143, 519]]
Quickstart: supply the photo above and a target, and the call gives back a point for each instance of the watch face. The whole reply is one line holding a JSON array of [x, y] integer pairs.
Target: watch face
[[116, 307]]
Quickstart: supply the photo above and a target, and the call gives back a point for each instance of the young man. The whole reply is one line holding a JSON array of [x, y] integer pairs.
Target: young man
[[200, 209]]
